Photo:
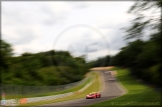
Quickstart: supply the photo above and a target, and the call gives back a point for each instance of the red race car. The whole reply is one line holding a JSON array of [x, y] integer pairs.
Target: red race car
[[93, 95]]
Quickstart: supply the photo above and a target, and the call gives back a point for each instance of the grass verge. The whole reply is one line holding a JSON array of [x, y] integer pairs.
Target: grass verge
[[75, 88], [138, 94], [95, 86]]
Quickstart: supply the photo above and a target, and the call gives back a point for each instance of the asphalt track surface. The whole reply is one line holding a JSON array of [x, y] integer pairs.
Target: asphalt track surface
[[111, 89]]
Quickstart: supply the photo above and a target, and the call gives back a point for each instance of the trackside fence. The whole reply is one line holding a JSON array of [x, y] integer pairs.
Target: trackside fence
[[16, 102], [18, 91]]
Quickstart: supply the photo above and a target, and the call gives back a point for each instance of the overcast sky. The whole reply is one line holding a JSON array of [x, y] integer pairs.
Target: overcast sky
[[83, 28]]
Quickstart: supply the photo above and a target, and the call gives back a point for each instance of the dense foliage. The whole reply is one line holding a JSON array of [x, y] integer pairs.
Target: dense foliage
[[43, 68], [143, 60], [100, 62], [143, 57]]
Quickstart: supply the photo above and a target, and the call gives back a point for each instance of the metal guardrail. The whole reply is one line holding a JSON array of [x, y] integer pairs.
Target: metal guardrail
[[14, 102], [18, 90]]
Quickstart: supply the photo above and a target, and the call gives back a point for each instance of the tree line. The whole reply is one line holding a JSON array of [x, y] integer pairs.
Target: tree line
[[43, 68], [142, 57]]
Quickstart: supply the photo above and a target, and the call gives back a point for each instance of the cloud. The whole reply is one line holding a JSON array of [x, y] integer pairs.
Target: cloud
[[53, 15], [34, 26], [81, 40], [18, 35], [33, 47], [79, 5], [25, 37]]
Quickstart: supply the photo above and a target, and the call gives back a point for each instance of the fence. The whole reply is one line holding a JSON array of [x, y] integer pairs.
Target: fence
[[18, 91], [16, 102]]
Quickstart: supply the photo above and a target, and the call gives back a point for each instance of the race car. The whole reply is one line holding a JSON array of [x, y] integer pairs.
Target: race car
[[93, 95]]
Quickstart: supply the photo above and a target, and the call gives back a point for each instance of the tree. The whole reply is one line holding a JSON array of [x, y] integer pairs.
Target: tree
[[147, 60], [142, 22], [6, 53], [43, 68]]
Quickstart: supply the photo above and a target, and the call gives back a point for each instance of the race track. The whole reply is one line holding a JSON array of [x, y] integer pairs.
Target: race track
[[111, 89]]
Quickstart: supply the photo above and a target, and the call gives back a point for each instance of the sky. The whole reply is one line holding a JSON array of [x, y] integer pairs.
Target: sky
[[91, 28]]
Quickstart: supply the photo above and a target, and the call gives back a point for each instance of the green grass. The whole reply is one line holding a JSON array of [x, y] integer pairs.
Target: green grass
[[95, 86], [138, 93], [79, 86]]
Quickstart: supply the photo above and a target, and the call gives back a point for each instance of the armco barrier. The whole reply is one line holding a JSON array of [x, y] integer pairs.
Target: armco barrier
[[11, 102], [14, 102], [19, 90], [36, 99], [85, 87]]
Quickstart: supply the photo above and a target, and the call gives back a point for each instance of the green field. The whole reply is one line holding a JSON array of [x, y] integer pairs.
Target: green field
[[138, 94], [95, 86]]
